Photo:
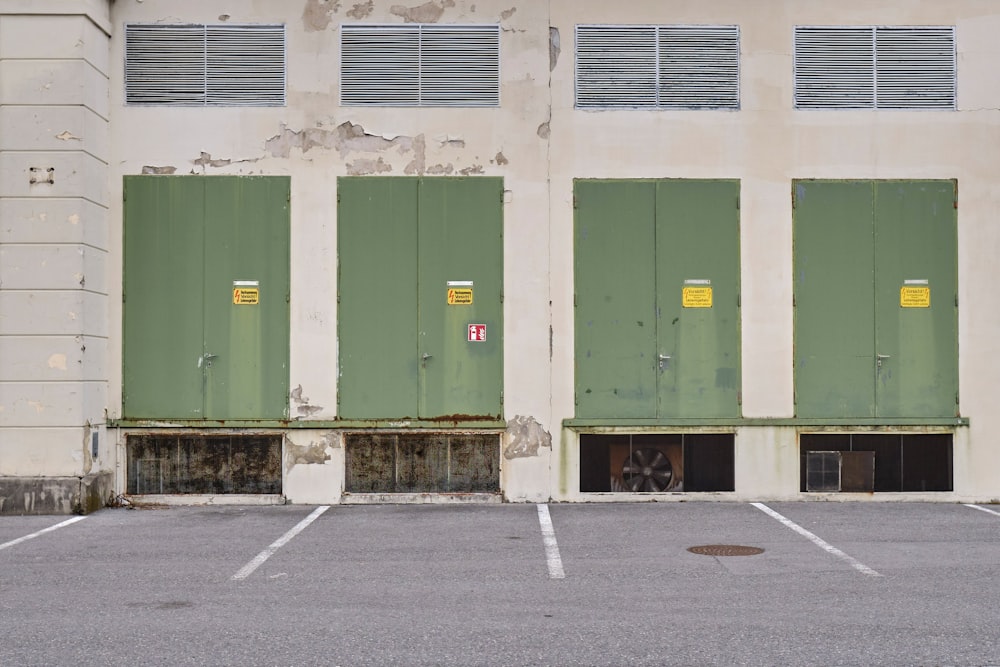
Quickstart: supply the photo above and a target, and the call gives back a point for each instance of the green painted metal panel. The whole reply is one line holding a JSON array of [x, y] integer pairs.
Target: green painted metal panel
[[189, 352], [697, 248], [405, 352], [834, 294], [377, 293], [163, 317], [460, 242], [246, 224], [916, 249], [615, 284]]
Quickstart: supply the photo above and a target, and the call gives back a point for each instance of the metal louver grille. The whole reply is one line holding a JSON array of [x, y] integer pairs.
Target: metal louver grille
[[834, 68], [380, 65], [199, 65], [615, 66], [667, 67], [164, 64], [875, 67], [700, 67], [245, 65], [915, 68], [420, 65]]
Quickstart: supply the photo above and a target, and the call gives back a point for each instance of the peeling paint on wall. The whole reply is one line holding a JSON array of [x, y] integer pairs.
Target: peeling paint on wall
[[315, 453], [302, 403], [524, 436], [205, 160], [57, 361], [501, 159], [419, 162], [429, 12], [362, 10], [474, 169], [346, 138], [440, 169], [554, 48], [66, 136], [451, 142], [507, 13], [544, 130], [150, 170], [365, 166], [317, 14]]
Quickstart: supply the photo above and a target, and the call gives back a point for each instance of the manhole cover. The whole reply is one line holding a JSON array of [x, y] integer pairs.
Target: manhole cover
[[725, 550]]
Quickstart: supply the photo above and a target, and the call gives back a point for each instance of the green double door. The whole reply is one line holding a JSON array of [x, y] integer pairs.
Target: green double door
[[875, 286], [420, 312], [206, 297], [657, 299]]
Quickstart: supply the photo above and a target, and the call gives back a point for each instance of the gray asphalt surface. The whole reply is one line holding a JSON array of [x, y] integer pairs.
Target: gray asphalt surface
[[470, 585]]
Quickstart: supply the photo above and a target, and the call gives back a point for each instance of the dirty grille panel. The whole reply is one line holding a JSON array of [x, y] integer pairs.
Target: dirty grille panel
[[657, 462], [204, 464], [422, 463], [725, 550]]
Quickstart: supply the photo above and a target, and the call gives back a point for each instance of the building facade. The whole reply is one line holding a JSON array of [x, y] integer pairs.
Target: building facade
[[338, 251]]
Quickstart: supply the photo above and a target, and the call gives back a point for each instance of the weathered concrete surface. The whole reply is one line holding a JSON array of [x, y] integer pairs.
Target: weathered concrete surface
[[55, 495]]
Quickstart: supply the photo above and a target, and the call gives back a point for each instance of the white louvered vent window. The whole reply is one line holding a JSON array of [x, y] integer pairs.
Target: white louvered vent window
[[881, 67], [420, 65], [664, 67], [205, 65]]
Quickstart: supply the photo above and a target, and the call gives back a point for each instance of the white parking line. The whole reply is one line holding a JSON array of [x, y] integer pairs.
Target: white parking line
[[825, 546], [248, 569], [983, 509], [551, 546], [41, 532]]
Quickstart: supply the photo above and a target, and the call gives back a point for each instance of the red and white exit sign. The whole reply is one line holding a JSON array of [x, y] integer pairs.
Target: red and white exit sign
[[477, 332]]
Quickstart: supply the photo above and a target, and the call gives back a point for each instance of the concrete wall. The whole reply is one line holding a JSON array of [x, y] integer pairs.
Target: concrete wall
[[54, 235], [54, 152]]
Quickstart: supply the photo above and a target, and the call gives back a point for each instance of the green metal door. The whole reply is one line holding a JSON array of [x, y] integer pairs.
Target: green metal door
[[246, 344], [875, 299], [164, 278], [615, 275], [657, 299], [460, 344], [190, 350], [833, 296], [420, 293], [377, 297], [916, 292], [697, 291]]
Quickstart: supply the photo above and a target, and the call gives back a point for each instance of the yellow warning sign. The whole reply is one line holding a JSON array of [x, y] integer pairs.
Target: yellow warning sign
[[246, 296], [460, 296], [696, 297], [915, 297]]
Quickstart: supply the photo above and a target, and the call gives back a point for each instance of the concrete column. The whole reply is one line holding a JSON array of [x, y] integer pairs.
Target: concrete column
[[54, 146]]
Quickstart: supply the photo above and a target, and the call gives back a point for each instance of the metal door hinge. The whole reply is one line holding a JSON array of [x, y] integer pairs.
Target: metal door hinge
[[739, 398], [739, 300], [575, 203], [737, 202]]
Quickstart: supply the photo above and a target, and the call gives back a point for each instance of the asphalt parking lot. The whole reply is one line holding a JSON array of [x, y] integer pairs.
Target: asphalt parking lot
[[614, 584]]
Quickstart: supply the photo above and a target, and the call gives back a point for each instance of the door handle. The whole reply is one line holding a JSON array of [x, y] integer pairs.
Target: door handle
[[879, 358], [206, 359], [664, 358], [425, 356]]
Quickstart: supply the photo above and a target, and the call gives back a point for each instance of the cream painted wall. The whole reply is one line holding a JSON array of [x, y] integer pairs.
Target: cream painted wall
[[53, 238], [767, 144]]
